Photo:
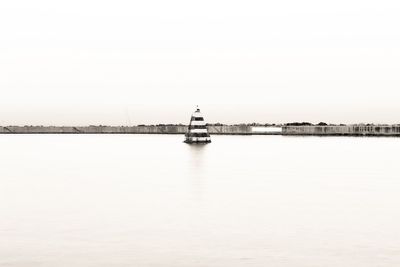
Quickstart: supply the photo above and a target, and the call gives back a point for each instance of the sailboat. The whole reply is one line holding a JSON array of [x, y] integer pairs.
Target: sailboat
[[197, 131]]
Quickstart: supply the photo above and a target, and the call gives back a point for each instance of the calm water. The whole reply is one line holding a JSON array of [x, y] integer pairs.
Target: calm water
[[151, 200]]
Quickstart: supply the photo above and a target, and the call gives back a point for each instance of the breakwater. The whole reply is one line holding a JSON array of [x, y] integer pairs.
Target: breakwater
[[141, 129], [343, 130], [242, 129]]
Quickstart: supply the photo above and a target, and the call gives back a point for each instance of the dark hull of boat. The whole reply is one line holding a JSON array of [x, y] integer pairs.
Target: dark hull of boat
[[197, 142]]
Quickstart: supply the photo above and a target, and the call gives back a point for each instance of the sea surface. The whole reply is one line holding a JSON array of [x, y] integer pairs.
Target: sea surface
[[152, 200]]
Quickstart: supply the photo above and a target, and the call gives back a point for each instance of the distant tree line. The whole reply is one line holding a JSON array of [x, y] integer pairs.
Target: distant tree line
[[308, 124]]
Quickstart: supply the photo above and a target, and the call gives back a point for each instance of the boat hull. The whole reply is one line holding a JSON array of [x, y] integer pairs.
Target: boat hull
[[197, 141]]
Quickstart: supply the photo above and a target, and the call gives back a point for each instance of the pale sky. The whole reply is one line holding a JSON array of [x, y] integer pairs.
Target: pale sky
[[82, 62]]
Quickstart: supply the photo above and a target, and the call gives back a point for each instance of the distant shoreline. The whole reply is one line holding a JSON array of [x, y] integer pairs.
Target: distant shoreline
[[242, 129], [215, 129]]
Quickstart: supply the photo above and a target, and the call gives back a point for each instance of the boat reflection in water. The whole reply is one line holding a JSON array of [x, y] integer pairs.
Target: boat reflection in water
[[197, 131]]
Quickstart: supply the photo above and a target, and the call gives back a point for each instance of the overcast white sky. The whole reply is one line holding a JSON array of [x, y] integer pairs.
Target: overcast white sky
[[129, 62]]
